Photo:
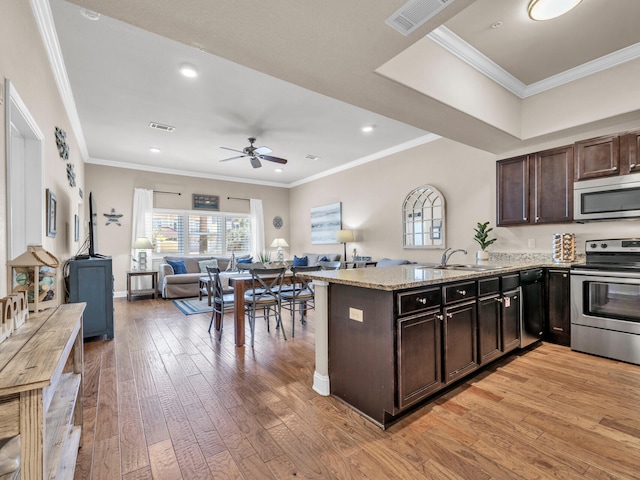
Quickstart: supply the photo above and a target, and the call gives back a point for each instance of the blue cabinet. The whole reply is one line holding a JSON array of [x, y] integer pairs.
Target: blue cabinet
[[91, 281]]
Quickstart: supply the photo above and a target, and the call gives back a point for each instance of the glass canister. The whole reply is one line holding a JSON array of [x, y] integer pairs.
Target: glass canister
[[564, 247]]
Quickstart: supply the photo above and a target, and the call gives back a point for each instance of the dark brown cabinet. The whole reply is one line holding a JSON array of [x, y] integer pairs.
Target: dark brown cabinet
[[510, 313], [597, 157], [418, 353], [536, 188], [630, 153], [558, 310], [512, 195], [553, 186], [489, 305], [459, 340]]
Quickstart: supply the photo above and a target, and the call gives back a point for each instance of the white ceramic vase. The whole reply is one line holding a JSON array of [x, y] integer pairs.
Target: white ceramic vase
[[482, 256]]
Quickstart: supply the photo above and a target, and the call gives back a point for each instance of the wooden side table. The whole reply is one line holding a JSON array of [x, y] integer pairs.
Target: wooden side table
[[146, 291]]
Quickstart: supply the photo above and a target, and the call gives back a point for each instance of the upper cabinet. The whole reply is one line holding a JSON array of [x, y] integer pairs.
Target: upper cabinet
[[536, 188], [630, 152], [597, 157]]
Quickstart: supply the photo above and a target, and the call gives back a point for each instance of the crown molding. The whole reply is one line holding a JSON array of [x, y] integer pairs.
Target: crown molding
[[455, 45], [44, 19]]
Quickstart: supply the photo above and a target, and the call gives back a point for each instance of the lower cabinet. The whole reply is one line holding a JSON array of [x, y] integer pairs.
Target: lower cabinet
[[510, 313], [459, 340], [558, 329], [418, 353], [489, 328]]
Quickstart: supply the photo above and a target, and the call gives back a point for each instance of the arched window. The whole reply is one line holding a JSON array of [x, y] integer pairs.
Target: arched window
[[423, 218]]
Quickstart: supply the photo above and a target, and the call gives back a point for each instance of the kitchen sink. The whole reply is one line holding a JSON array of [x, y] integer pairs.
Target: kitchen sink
[[468, 267]]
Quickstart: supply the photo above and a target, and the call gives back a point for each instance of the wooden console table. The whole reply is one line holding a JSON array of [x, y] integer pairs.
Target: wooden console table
[[41, 391], [148, 291]]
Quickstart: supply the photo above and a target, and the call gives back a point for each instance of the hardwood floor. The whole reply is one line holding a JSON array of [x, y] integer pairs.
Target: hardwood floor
[[164, 400]]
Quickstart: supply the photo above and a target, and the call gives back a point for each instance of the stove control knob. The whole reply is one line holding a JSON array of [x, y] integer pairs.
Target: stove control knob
[[593, 245], [603, 245]]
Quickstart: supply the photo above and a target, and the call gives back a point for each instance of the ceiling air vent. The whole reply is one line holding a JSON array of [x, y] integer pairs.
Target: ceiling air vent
[[414, 13], [160, 126]]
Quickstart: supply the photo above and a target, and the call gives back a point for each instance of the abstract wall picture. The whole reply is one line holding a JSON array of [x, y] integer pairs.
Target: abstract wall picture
[[325, 222]]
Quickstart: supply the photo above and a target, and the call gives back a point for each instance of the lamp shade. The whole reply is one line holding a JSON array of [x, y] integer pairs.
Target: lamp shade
[[142, 243], [279, 243], [344, 236]]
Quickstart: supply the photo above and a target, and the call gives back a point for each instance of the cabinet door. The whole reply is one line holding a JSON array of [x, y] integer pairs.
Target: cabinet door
[[630, 153], [459, 338], [510, 320], [419, 354], [489, 328], [597, 157], [512, 196], [558, 312], [553, 185]]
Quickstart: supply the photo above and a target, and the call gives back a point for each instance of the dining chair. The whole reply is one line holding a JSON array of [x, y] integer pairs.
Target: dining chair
[[302, 295], [264, 295], [220, 301], [330, 265]]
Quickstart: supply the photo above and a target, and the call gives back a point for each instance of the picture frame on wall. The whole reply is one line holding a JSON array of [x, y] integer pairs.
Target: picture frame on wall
[[325, 223], [52, 206], [206, 202]]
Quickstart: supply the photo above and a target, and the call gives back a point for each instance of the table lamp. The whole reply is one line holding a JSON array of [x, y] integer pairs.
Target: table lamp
[[278, 243], [344, 236], [142, 244]]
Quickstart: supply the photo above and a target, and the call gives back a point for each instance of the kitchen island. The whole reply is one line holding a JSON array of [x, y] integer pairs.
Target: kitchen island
[[388, 338]]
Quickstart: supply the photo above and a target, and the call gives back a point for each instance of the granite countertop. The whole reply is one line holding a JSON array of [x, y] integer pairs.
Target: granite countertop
[[416, 275]]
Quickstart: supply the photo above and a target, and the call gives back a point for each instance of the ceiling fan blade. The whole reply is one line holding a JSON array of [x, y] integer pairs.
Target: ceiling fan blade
[[262, 150], [255, 162], [273, 159], [232, 158], [233, 149]]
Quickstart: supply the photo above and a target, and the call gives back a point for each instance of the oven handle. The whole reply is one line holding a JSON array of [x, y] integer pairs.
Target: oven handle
[[604, 275]]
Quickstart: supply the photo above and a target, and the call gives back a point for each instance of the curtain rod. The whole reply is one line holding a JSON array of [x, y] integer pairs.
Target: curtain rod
[[238, 198], [168, 193]]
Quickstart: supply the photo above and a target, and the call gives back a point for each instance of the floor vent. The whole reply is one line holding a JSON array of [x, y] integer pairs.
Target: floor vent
[[414, 13], [160, 126]]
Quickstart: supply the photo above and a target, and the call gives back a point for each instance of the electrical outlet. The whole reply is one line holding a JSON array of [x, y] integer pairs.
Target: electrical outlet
[[532, 243], [355, 314]]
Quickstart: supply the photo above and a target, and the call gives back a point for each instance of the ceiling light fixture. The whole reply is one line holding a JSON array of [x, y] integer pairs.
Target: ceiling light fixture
[[279, 170], [312, 157], [188, 70], [154, 149], [368, 128], [548, 9]]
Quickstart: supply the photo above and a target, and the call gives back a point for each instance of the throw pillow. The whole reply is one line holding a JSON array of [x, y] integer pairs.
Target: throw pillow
[[300, 261], [245, 260], [203, 264], [178, 266], [324, 259]]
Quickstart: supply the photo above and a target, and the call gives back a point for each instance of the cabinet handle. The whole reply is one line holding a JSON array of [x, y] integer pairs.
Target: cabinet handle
[[537, 219], [515, 297], [449, 315], [632, 166], [422, 300], [564, 275], [613, 169], [462, 292], [439, 317], [524, 218], [499, 300]]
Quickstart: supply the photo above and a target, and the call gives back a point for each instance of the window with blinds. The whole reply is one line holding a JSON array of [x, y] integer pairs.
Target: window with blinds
[[186, 232]]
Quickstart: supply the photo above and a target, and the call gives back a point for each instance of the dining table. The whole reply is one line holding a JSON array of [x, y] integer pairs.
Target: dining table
[[240, 283]]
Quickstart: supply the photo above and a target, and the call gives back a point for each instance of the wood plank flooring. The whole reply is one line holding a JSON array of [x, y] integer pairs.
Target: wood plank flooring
[[164, 400]]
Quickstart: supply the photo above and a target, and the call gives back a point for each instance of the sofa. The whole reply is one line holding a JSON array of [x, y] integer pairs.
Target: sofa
[[314, 259], [183, 285]]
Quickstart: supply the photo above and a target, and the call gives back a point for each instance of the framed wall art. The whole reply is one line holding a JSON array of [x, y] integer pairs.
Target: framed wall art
[[206, 202], [52, 205], [325, 222]]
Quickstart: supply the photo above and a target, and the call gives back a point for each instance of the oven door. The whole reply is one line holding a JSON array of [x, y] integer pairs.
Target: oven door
[[606, 299]]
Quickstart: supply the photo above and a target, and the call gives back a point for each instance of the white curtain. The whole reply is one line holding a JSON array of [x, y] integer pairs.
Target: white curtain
[[141, 224], [257, 227]]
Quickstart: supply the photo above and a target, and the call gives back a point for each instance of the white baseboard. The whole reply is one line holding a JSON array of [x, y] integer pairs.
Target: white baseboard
[[321, 384]]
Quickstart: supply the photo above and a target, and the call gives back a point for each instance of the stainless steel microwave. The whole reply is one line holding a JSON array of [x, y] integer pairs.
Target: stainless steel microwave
[[607, 198]]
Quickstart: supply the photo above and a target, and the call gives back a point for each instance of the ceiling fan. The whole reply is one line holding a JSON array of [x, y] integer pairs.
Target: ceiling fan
[[255, 154]]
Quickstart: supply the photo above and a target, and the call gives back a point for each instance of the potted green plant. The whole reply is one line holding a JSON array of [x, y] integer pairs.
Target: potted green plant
[[264, 257], [482, 237]]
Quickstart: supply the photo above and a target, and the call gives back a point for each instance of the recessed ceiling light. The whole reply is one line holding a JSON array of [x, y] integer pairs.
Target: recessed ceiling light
[[548, 9], [90, 14], [312, 157], [154, 149], [368, 128], [188, 70], [279, 170], [497, 24]]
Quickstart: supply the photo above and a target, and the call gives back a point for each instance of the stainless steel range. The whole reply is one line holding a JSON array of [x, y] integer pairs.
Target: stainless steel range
[[605, 300]]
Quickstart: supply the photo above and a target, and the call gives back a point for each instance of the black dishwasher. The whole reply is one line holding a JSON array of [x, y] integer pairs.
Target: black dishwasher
[[532, 319]]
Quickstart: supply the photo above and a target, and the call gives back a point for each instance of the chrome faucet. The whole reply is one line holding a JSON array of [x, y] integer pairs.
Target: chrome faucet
[[445, 258]]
